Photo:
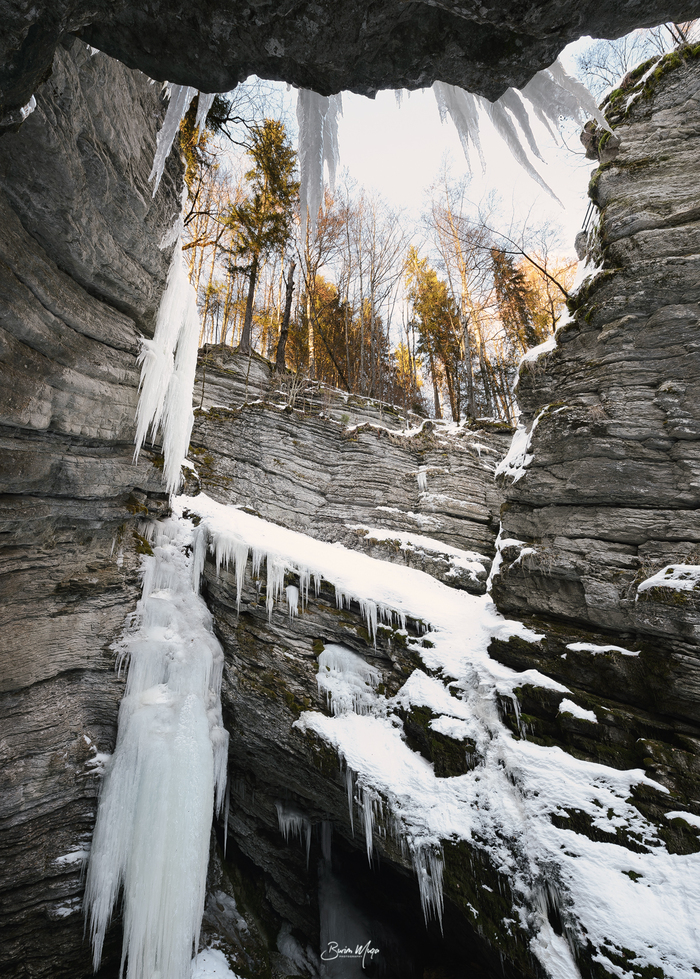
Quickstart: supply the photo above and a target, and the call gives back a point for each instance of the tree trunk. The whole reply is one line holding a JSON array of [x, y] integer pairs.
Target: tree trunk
[[436, 393], [284, 329], [248, 322]]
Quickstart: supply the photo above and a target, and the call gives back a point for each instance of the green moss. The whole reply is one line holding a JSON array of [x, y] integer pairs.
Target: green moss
[[318, 646], [449, 756], [142, 545], [135, 506]]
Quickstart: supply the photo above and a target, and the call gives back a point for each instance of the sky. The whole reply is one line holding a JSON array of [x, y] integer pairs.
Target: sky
[[400, 150]]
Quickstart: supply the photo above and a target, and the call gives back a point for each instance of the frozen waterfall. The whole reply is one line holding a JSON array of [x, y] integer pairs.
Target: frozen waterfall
[[167, 773]]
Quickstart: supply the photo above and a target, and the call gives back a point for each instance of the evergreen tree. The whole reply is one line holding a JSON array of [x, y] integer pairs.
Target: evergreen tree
[[262, 223], [516, 302], [437, 319]]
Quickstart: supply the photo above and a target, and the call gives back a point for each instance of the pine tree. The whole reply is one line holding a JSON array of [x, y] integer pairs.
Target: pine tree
[[262, 223], [516, 302]]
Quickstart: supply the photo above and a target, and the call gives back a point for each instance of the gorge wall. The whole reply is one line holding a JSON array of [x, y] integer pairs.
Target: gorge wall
[[604, 496], [602, 492], [81, 277]]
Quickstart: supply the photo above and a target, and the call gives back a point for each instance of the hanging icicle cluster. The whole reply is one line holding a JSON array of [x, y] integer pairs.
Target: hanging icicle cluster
[[317, 116], [553, 95], [168, 364]]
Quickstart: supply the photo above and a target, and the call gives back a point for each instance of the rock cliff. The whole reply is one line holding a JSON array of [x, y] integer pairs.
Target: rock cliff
[[340, 468], [483, 47], [605, 495], [608, 493], [81, 274]]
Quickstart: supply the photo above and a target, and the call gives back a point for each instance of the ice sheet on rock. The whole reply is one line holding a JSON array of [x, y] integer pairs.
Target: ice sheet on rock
[[680, 577], [519, 457], [346, 680], [167, 772], [168, 364], [317, 116]]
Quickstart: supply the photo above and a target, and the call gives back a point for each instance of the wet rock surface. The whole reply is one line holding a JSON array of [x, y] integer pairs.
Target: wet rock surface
[[483, 47], [81, 274]]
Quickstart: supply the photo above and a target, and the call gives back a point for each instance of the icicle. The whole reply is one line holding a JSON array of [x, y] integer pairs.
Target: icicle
[[180, 98], [349, 785], [552, 94], [346, 680], [154, 817], [294, 823], [292, 601], [428, 867], [168, 363], [422, 479], [463, 109], [317, 116], [505, 128], [204, 104], [227, 808]]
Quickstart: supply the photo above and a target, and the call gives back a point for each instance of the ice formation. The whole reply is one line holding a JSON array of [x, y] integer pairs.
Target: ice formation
[[168, 365], [616, 898], [167, 773], [317, 116], [180, 100], [551, 94], [294, 823], [346, 680]]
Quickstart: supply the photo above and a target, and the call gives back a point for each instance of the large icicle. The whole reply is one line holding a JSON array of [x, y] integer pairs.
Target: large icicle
[[552, 95], [169, 767], [168, 364], [317, 116], [180, 99]]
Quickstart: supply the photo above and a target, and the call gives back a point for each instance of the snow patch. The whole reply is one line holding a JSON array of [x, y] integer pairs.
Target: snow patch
[[569, 707], [589, 647], [681, 577], [211, 964]]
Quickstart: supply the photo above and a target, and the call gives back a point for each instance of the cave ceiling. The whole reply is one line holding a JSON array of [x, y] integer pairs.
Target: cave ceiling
[[484, 46]]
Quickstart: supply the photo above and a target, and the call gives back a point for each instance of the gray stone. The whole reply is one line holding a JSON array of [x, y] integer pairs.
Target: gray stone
[[81, 273], [612, 492], [484, 47]]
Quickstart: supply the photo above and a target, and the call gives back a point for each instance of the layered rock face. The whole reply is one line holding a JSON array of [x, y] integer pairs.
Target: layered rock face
[[609, 492], [81, 274], [340, 468], [484, 47], [603, 492]]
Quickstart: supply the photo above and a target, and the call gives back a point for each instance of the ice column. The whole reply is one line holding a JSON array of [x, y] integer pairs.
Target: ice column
[[168, 364], [317, 116], [151, 838]]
